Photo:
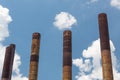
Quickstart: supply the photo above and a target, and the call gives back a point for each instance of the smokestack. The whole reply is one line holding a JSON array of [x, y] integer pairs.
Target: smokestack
[[105, 47], [34, 59], [8, 62], [67, 55]]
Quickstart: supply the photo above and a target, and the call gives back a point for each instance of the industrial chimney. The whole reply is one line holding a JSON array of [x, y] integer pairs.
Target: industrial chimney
[[67, 55], [105, 47], [8, 62], [34, 59]]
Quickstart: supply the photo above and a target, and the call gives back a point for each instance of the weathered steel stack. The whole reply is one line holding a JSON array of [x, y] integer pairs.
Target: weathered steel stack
[[34, 59], [8, 62], [67, 55], [105, 47]]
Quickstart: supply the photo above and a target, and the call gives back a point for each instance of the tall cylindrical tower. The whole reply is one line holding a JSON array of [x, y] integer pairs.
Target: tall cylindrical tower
[[8, 62], [67, 55], [105, 47], [34, 59]]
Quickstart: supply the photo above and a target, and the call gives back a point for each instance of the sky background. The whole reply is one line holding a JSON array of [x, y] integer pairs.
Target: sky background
[[20, 18]]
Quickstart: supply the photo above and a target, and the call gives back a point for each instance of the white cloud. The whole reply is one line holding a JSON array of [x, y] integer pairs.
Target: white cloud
[[64, 20], [115, 3], [16, 70], [90, 64], [2, 51], [5, 19]]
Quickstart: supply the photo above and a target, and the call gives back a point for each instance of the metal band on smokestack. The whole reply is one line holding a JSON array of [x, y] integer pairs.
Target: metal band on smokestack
[[34, 59], [67, 55], [105, 47], [8, 62]]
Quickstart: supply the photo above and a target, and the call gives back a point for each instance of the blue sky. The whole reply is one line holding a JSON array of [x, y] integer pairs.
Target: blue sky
[[28, 16]]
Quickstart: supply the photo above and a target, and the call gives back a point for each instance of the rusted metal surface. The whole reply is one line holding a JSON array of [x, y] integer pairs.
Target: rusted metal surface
[[67, 73], [8, 62], [67, 59], [67, 55], [107, 65], [33, 70], [34, 59], [103, 30], [105, 47]]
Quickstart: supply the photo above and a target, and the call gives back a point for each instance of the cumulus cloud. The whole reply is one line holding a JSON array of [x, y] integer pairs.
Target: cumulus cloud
[[5, 19], [64, 20], [90, 63], [2, 51], [16, 70], [115, 3]]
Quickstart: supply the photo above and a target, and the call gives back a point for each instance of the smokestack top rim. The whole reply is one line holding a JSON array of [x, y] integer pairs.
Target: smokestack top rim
[[36, 34], [102, 15], [13, 45], [67, 31]]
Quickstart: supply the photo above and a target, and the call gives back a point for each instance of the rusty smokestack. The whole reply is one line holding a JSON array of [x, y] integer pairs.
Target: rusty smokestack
[[34, 59], [67, 55], [105, 47], [8, 62]]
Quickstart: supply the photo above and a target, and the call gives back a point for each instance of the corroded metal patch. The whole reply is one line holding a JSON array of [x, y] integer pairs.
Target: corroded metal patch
[[34, 58]]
